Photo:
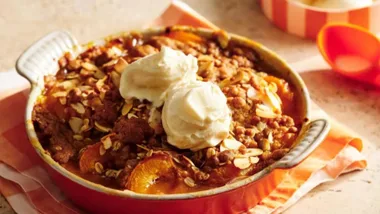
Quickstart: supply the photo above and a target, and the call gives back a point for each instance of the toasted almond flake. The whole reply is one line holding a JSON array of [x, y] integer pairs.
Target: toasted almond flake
[[85, 102], [111, 173], [100, 83], [261, 126], [205, 66], [75, 124], [264, 111], [120, 65], [115, 77], [251, 93], [149, 153], [117, 51], [188, 160], [272, 87], [112, 62], [99, 74], [63, 100], [231, 144], [142, 147], [95, 102], [126, 108], [141, 155], [270, 137], [60, 94], [273, 99], [102, 150], [107, 143], [89, 66], [74, 64], [116, 146], [99, 168], [265, 145], [78, 137], [254, 160], [118, 173], [101, 128], [85, 126], [78, 107], [251, 152], [102, 94], [238, 77], [189, 182], [242, 163], [136, 109], [85, 72], [68, 84], [177, 160], [72, 75], [85, 87], [130, 115]]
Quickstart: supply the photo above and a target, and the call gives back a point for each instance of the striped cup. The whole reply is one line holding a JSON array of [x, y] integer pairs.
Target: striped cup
[[306, 21]]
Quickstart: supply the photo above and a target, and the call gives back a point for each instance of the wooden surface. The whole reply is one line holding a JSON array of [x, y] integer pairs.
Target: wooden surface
[[355, 105]]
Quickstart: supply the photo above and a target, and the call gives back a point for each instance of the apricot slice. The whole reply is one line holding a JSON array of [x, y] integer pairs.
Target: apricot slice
[[155, 175], [89, 157], [185, 36]]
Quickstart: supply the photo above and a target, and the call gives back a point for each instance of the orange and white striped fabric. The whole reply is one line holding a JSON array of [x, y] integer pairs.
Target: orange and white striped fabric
[[28, 189], [304, 21]]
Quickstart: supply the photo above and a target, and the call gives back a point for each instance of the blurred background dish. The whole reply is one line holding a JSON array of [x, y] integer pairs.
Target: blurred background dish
[[305, 18]]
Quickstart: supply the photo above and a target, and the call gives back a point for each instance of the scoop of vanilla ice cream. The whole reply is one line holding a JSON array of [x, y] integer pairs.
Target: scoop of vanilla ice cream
[[150, 77], [336, 4], [196, 116]]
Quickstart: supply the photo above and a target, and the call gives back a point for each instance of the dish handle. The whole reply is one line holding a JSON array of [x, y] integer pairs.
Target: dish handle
[[36, 61], [315, 133]]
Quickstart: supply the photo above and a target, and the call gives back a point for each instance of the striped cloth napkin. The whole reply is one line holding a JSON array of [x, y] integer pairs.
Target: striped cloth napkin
[[28, 189]]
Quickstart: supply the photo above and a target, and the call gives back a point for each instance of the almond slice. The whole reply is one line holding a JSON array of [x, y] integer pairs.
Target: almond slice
[[75, 124], [86, 125], [250, 152], [274, 100], [116, 51], [107, 143], [78, 107], [72, 75], [126, 108], [100, 83], [242, 163], [230, 144], [99, 74], [264, 111], [254, 160], [115, 77], [68, 84], [89, 66], [120, 65], [251, 93], [60, 94], [102, 128], [78, 137]]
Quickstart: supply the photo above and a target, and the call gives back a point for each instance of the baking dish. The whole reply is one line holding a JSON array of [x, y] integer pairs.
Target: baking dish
[[41, 59]]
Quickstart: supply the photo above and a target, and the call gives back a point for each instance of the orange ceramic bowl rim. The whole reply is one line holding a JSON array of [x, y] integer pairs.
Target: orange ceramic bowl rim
[[267, 56]]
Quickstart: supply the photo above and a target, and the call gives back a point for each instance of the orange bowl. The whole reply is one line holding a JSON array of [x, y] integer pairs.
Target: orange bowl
[[306, 21], [41, 59]]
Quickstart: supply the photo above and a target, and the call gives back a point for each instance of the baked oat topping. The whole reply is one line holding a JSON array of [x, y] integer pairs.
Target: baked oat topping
[[83, 122]]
